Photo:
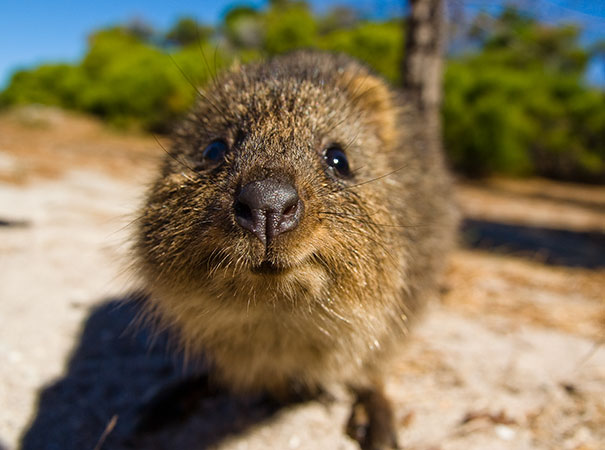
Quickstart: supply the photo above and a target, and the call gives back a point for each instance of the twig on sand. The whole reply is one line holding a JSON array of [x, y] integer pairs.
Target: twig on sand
[[108, 429]]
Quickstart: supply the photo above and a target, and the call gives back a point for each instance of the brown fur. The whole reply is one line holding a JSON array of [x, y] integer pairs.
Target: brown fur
[[367, 252]]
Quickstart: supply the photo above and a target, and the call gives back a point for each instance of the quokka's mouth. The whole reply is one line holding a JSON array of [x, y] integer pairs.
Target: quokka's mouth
[[268, 268]]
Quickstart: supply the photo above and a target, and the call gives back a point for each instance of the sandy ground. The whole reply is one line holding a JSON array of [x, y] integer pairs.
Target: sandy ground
[[511, 358]]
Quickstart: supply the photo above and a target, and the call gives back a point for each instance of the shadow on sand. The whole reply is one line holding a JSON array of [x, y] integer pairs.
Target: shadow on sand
[[113, 372], [549, 246]]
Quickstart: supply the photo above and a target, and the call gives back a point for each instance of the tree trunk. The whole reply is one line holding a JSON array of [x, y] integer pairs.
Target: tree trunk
[[423, 59]]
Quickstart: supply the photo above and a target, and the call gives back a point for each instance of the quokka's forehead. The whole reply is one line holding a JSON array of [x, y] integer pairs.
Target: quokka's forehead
[[268, 112], [303, 77], [280, 97]]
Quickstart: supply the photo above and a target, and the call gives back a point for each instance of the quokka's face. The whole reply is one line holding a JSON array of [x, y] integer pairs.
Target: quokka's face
[[267, 184]]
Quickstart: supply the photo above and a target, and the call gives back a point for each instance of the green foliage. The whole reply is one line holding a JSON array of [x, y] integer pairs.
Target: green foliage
[[50, 84], [187, 31], [520, 105], [289, 26], [121, 79], [114, 93], [243, 27], [139, 29], [380, 45], [485, 128], [516, 103], [338, 18]]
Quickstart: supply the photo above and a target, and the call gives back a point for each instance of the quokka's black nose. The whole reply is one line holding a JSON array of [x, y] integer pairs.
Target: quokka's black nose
[[268, 208]]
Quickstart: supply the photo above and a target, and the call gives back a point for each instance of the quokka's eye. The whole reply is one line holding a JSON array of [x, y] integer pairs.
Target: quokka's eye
[[214, 153], [335, 157]]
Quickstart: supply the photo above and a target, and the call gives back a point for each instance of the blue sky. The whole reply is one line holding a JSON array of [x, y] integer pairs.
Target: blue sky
[[35, 31]]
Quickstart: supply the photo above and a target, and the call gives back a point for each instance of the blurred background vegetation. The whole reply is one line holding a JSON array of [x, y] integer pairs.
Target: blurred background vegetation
[[516, 97]]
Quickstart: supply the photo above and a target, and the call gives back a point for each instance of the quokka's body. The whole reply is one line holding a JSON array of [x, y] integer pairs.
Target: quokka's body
[[301, 219]]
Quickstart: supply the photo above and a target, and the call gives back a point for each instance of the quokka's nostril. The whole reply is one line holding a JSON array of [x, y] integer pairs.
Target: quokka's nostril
[[291, 209], [243, 211]]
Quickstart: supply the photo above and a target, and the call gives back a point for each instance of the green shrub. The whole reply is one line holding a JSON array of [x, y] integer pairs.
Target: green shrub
[[121, 79], [49, 84], [520, 105]]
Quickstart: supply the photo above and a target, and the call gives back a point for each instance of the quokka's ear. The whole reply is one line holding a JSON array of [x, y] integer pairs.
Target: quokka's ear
[[374, 99]]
